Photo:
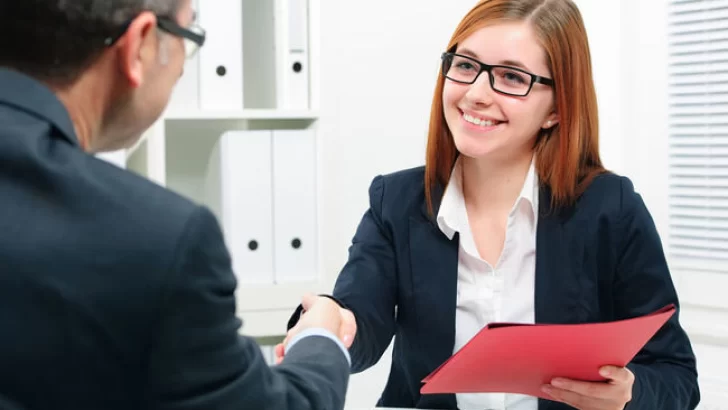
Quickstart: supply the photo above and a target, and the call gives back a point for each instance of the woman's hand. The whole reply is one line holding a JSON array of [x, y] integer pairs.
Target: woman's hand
[[346, 333], [612, 395]]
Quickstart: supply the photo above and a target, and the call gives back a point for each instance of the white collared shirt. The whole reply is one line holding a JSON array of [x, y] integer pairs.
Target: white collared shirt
[[501, 293]]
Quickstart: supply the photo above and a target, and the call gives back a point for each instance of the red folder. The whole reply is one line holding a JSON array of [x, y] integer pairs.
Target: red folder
[[521, 358]]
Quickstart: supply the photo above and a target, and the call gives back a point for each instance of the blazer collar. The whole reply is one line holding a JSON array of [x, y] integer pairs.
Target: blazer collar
[[437, 193], [544, 205], [25, 93]]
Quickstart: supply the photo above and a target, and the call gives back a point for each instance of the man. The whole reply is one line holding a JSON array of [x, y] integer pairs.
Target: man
[[115, 293]]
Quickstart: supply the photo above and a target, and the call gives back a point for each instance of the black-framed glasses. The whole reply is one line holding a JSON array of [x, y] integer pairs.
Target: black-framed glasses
[[503, 79], [193, 36]]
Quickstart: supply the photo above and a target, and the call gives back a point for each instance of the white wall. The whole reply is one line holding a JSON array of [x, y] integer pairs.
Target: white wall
[[379, 65], [602, 21]]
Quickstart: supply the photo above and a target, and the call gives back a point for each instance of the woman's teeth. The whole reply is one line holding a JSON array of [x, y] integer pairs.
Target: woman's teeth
[[478, 121]]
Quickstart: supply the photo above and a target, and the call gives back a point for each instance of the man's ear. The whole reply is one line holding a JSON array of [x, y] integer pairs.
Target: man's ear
[[138, 47]]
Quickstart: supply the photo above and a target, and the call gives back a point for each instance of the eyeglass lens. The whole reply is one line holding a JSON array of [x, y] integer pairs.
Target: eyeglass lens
[[503, 79]]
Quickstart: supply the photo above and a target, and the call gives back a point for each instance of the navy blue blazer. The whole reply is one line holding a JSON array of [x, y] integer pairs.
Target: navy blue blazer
[[117, 294], [599, 260]]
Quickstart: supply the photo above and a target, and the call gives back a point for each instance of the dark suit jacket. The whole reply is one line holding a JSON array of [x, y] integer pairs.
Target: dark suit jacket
[[600, 260], [118, 294]]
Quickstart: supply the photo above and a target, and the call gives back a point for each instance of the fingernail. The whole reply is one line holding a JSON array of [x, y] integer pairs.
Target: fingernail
[[347, 339], [604, 372], [547, 389], [558, 382]]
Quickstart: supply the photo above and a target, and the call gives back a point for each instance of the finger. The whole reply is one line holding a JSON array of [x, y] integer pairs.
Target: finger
[[596, 390], [618, 375], [573, 399], [308, 300], [294, 330], [348, 327], [279, 351]]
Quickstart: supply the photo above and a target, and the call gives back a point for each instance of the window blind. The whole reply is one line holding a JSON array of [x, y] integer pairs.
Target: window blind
[[698, 134]]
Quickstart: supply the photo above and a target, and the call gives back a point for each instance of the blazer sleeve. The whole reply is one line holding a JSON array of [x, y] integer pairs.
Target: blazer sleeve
[[367, 284], [199, 360], [665, 370]]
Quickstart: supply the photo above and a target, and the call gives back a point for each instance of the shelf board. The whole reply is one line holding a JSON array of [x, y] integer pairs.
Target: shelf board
[[265, 324], [246, 114], [279, 296]]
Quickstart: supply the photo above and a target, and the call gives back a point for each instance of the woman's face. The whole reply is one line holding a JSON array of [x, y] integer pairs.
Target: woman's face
[[485, 123]]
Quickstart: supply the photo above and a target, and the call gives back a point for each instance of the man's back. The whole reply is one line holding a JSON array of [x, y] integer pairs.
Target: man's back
[[118, 294]]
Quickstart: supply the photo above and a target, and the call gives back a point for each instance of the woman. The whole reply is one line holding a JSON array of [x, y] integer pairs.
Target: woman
[[512, 219]]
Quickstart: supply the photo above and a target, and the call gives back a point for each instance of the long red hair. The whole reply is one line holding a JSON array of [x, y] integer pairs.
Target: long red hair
[[567, 155]]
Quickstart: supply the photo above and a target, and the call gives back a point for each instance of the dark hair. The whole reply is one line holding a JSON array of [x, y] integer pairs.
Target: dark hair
[[56, 40]]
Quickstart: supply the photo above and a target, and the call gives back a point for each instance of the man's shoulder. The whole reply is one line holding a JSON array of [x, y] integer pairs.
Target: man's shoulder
[[140, 199], [137, 216], [152, 226]]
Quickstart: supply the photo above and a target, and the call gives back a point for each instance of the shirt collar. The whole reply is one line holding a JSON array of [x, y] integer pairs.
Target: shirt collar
[[529, 191], [453, 217]]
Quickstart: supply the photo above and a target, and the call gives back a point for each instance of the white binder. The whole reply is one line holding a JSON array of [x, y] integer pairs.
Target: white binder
[[292, 54], [241, 165], [221, 59], [295, 206]]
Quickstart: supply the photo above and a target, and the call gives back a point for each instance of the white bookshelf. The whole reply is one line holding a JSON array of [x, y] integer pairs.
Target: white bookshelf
[[177, 151], [244, 115]]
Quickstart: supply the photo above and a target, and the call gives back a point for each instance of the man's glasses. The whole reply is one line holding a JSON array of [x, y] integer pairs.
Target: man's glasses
[[503, 79], [193, 36]]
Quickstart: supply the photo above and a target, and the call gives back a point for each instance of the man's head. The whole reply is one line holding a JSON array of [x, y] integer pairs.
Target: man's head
[[113, 63]]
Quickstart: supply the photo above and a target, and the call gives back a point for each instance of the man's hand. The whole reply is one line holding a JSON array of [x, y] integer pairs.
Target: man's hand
[[613, 395], [321, 312]]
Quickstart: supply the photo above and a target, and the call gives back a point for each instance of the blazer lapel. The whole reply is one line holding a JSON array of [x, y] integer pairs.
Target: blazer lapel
[[434, 260], [434, 264], [558, 257]]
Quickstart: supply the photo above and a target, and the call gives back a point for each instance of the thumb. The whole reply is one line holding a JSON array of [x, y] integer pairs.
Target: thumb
[[308, 300]]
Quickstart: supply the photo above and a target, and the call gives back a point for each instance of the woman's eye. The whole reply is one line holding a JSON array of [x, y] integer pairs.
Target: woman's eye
[[514, 77], [465, 66]]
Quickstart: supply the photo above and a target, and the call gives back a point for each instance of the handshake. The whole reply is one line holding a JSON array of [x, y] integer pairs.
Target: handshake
[[323, 313]]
